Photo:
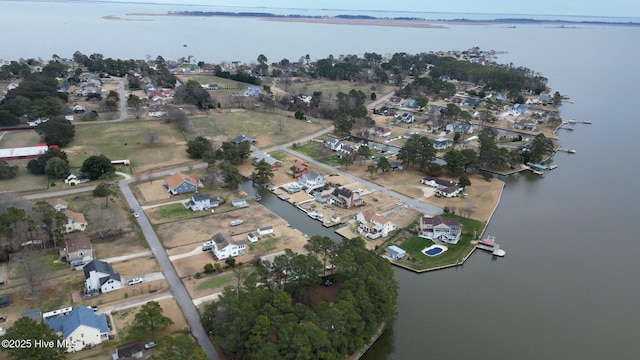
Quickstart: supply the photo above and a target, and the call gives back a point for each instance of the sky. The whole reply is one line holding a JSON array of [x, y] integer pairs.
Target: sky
[[611, 8]]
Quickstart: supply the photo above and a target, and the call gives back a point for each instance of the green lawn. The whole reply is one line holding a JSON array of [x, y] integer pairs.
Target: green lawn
[[452, 256], [217, 281], [12, 139], [311, 150], [173, 212], [204, 79]]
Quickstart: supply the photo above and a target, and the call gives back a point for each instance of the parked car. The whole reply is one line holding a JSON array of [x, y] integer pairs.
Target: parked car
[[135, 215], [207, 246], [77, 263], [150, 345], [134, 281]]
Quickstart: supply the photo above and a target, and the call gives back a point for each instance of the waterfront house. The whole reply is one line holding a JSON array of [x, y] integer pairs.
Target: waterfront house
[[449, 192], [347, 151], [395, 252], [100, 277], [78, 248], [75, 222], [199, 202], [224, 246], [438, 228], [345, 198], [180, 184], [273, 163], [80, 329], [312, 181], [437, 182], [373, 225], [333, 143]]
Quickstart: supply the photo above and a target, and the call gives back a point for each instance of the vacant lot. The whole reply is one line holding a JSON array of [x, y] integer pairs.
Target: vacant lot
[[268, 128], [129, 140]]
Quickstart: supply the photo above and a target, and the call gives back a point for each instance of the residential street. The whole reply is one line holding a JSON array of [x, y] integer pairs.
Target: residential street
[[180, 293]]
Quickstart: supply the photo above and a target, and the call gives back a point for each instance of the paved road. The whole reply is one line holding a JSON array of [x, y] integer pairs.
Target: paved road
[[426, 209], [180, 293]]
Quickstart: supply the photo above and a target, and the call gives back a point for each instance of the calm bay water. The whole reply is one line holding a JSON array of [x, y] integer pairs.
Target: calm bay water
[[567, 288]]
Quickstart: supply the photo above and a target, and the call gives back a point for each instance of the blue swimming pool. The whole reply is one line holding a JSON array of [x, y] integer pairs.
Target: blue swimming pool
[[434, 250]]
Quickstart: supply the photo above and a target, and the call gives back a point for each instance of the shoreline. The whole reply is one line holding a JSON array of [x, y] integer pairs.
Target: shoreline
[[391, 22]]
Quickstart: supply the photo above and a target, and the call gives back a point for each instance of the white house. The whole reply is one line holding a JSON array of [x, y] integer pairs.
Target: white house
[[100, 277], [224, 246], [438, 182], [442, 143], [252, 237], [373, 225], [438, 228], [75, 222], [312, 181], [333, 143], [449, 192], [199, 202], [395, 252], [265, 230], [80, 329]]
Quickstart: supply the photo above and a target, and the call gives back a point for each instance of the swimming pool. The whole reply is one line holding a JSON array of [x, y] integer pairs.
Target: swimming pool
[[434, 250]]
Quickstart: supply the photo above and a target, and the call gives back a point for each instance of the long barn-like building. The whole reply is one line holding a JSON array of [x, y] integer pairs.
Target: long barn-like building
[[30, 152]]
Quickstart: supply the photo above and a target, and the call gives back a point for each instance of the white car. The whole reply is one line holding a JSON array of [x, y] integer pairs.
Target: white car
[[136, 215], [134, 281], [150, 345]]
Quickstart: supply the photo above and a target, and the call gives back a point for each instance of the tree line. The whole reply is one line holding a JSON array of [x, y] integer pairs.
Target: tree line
[[274, 313]]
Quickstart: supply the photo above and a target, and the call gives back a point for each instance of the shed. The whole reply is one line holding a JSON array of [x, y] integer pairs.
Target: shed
[[252, 237], [34, 314], [265, 230], [395, 252]]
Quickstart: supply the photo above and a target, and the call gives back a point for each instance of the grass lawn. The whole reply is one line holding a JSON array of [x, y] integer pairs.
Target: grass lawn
[[204, 79], [217, 281], [311, 149], [268, 128], [25, 138], [172, 212], [25, 181], [455, 253], [127, 140], [329, 87]]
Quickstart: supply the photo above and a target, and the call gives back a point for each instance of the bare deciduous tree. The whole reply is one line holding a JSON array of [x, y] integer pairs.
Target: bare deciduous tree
[[152, 136]]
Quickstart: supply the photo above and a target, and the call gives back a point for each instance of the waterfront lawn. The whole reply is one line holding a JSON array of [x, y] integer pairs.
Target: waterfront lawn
[[418, 261]]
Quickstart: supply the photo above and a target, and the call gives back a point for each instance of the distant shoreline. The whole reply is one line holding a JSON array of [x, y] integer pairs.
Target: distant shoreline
[[382, 21]]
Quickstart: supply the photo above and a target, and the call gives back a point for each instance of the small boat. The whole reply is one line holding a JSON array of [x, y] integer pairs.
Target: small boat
[[570, 128], [236, 222], [553, 167], [571, 151], [489, 244], [257, 198], [587, 122], [313, 214]]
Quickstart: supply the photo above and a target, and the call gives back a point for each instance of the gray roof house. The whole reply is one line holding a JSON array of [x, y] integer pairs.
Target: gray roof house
[[132, 350], [80, 329], [274, 163], [224, 246], [333, 143], [99, 276], [243, 138], [199, 202]]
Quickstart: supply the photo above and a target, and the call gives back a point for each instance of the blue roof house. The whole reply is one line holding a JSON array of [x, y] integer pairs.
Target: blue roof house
[[80, 329]]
